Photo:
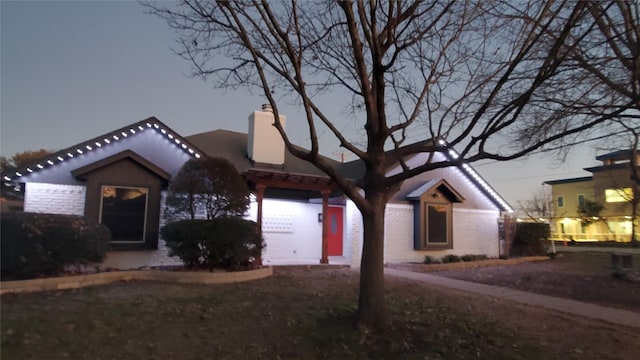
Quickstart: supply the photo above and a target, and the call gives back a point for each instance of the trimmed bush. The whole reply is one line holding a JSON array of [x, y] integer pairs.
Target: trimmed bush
[[43, 244], [228, 243], [529, 239], [450, 259], [428, 260], [470, 257]]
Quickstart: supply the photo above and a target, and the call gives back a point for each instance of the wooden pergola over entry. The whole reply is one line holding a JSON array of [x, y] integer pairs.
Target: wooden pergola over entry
[[264, 179]]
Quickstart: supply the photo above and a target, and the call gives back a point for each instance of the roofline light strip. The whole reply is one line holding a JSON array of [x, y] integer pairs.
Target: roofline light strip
[[115, 137], [474, 174]]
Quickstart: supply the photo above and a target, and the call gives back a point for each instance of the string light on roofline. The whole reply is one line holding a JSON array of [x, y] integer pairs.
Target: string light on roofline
[[469, 170], [169, 135]]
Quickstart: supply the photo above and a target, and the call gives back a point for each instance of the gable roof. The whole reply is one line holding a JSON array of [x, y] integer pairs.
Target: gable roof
[[355, 170], [82, 172], [105, 140], [441, 185], [478, 180]]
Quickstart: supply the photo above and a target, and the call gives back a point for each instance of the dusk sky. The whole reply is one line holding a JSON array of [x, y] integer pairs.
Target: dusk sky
[[71, 71]]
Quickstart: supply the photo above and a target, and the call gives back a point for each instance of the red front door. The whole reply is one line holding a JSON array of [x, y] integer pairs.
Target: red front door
[[335, 231]]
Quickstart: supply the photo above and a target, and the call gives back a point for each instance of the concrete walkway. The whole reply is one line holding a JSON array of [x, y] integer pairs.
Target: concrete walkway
[[619, 250], [615, 316]]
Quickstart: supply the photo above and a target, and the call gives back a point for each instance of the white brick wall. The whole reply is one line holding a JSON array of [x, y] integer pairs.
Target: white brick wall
[[353, 233], [398, 233], [54, 199], [291, 231], [474, 232]]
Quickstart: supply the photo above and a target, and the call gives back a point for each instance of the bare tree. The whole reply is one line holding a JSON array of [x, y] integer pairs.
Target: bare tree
[[539, 208], [608, 57], [488, 78]]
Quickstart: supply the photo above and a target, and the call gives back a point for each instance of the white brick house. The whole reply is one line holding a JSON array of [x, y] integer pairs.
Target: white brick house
[[304, 218]]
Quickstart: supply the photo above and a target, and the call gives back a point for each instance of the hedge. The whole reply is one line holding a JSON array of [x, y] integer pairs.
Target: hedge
[[225, 243], [528, 239], [43, 244]]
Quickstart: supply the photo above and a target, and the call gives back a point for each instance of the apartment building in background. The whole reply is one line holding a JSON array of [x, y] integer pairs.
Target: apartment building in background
[[596, 207]]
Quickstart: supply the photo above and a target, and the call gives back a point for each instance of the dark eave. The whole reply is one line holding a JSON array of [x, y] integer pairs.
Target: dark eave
[[284, 180], [82, 172], [608, 167], [569, 181], [616, 155]]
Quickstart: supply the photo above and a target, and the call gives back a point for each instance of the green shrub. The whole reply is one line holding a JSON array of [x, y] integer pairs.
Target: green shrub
[[228, 243], [450, 259], [470, 257], [428, 260], [43, 244], [529, 239]]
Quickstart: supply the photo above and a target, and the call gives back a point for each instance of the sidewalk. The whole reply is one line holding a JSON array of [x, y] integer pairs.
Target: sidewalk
[[615, 316], [619, 250]]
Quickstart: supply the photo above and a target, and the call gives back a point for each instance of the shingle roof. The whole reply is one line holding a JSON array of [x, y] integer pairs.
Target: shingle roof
[[232, 146]]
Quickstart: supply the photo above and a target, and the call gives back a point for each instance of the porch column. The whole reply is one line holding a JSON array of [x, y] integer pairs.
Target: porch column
[[325, 226], [259, 196]]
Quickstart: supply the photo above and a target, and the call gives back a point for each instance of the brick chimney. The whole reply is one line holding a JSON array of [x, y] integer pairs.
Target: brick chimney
[[265, 145]]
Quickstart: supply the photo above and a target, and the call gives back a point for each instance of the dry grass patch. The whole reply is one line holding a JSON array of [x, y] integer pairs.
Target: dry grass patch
[[296, 314]]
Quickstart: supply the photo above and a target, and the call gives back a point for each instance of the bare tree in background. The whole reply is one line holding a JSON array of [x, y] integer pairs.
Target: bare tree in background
[[486, 77], [609, 55], [539, 208]]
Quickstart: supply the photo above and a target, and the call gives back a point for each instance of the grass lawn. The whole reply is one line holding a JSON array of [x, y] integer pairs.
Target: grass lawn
[[296, 314]]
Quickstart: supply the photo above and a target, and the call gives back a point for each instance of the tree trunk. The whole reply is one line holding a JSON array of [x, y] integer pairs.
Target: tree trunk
[[371, 306]]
